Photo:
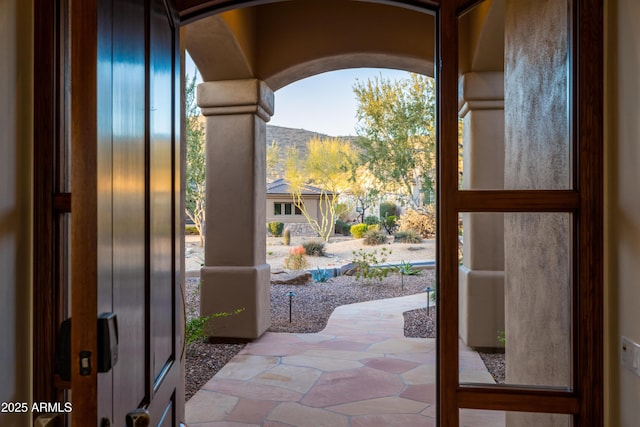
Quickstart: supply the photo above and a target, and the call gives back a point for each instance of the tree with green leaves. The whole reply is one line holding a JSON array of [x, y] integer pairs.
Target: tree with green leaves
[[327, 166], [365, 190], [196, 168], [273, 159], [396, 126]]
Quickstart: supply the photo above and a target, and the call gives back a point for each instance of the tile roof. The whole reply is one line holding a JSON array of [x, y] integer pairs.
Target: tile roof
[[280, 186]]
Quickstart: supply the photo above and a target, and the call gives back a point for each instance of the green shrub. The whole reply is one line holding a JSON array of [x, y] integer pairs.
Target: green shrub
[[346, 230], [374, 237], [422, 223], [286, 236], [191, 230], [358, 230], [275, 228], [367, 264], [314, 248], [342, 227], [195, 329], [407, 236], [342, 211], [388, 209], [390, 223], [502, 339], [371, 220]]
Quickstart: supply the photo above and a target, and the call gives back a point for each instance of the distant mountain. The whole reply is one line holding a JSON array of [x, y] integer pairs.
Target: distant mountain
[[288, 137]]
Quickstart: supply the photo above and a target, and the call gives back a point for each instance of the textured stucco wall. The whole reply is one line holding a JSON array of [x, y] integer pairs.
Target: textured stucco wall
[[282, 42], [622, 206], [16, 142], [537, 248], [536, 95]]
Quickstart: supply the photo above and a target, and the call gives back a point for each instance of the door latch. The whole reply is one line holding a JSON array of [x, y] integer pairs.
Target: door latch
[[138, 418]]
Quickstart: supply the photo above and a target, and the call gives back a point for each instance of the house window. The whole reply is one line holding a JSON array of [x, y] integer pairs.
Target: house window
[[285, 209]]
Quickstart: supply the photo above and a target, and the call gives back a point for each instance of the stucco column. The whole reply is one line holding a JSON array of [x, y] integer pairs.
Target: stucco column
[[538, 246], [235, 273], [481, 276]]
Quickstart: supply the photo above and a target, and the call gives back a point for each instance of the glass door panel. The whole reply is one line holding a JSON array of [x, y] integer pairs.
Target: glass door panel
[[515, 299], [514, 96]]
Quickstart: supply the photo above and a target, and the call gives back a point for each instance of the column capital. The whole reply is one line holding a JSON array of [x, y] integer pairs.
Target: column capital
[[480, 91], [230, 97]]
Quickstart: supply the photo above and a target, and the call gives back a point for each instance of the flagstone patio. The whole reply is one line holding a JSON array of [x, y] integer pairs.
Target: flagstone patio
[[359, 371]]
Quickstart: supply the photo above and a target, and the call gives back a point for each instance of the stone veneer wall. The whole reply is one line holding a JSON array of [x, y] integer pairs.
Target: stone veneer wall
[[300, 229], [537, 246]]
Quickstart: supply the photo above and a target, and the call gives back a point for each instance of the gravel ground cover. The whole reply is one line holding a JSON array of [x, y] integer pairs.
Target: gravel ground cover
[[311, 308]]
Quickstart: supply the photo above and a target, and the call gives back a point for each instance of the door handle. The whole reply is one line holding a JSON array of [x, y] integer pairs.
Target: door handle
[[138, 418]]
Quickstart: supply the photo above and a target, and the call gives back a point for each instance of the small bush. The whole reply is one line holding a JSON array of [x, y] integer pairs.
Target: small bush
[[286, 236], [314, 248], [408, 236], [358, 230], [367, 264], [388, 209], [390, 223], [195, 329], [296, 259], [371, 220], [422, 223], [191, 230], [374, 237], [275, 228], [342, 227], [502, 339], [342, 211]]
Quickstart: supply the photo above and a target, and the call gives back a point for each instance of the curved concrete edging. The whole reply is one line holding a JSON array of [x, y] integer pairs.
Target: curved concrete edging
[[335, 271], [418, 265]]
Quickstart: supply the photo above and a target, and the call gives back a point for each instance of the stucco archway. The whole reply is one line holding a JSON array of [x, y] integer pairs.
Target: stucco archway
[[244, 55]]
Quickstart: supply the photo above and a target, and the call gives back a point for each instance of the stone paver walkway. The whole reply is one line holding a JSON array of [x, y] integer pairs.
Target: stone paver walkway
[[359, 371]]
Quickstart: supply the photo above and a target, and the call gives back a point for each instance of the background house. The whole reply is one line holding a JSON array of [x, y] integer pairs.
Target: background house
[[281, 208]]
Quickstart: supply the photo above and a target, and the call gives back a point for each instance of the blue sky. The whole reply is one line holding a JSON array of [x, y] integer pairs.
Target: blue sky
[[324, 103]]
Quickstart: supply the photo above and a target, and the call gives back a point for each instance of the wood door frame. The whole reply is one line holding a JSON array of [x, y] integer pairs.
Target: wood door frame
[[585, 400], [84, 205], [46, 119], [50, 199]]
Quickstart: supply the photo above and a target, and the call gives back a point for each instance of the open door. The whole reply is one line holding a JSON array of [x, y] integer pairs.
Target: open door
[[520, 210], [126, 215]]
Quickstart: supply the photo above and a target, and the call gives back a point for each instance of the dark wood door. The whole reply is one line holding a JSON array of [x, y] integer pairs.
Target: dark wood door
[[126, 244]]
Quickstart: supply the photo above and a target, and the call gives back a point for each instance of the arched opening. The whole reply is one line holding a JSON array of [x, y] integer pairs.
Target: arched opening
[[242, 89]]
